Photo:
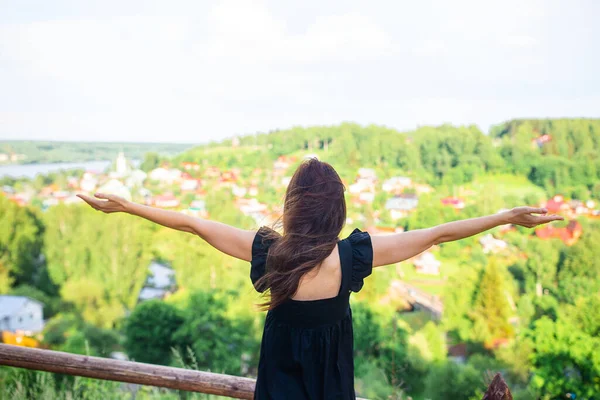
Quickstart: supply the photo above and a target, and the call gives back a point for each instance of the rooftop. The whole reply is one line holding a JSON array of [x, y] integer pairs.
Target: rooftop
[[11, 304]]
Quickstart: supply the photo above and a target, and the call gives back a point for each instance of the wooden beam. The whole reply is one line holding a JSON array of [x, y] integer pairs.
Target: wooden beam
[[157, 375], [126, 371]]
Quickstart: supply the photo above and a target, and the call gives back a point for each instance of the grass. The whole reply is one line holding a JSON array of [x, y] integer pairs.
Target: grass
[[433, 284], [505, 185]]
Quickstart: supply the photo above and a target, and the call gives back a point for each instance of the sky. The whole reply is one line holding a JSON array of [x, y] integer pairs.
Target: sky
[[195, 71]]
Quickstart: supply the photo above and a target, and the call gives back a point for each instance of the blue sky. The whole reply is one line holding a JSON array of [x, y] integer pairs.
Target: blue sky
[[194, 71]]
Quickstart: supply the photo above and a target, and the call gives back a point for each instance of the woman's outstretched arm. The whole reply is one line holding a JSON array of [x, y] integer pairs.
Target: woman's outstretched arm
[[390, 249], [228, 239]]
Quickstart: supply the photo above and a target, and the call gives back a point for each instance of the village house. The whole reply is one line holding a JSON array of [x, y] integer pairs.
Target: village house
[[135, 178], [458, 353], [166, 200], [197, 208], [49, 202], [396, 184], [285, 181], [160, 281], [21, 314], [116, 187], [366, 197], [361, 186], [569, 234], [421, 188], [426, 263], [541, 140], [253, 190], [88, 182], [229, 178], [384, 230], [282, 164], [72, 182], [189, 184], [491, 244], [455, 202], [20, 199], [190, 166], [367, 173], [48, 190], [164, 175], [212, 172], [238, 191], [557, 205], [400, 206], [13, 157], [252, 208]]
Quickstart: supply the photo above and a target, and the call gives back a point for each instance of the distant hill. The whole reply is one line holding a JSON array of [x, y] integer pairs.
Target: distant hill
[[31, 151], [559, 155]]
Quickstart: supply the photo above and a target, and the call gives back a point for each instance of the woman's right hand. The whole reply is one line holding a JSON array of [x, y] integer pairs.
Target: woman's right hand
[[107, 203]]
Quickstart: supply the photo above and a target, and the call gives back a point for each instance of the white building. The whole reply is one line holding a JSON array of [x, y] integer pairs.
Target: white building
[[426, 263], [165, 175], [189, 185], [88, 182], [161, 276], [491, 244], [366, 197], [285, 181], [122, 167], [116, 187], [20, 313], [367, 173], [238, 191], [136, 178], [160, 280], [360, 186], [397, 183]]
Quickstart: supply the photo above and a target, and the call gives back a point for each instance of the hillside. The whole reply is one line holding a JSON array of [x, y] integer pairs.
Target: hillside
[[32, 151], [560, 156]]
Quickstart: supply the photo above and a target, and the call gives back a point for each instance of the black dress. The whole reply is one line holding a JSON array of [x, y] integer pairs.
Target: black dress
[[306, 349]]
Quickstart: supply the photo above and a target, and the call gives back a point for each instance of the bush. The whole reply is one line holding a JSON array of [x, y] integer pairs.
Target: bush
[[149, 332]]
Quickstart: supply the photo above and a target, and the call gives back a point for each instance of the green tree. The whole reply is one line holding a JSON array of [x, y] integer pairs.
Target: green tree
[[149, 332], [100, 262], [218, 341], [453, 381], [491, 309], [21, 241], [580, 267], [565, 360], [151, 161]]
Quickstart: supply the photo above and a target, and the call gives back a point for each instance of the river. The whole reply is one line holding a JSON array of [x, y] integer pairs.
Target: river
[[31, 170]]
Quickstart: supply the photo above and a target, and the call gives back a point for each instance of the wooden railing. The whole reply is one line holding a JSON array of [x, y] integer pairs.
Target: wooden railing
[[156, 375]]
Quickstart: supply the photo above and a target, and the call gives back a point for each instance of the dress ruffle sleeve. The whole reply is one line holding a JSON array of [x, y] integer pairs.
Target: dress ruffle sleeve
[[260, 248], [362, 258]]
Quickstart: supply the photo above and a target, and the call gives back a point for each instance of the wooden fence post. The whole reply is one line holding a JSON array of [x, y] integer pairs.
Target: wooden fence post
[[498, 390]]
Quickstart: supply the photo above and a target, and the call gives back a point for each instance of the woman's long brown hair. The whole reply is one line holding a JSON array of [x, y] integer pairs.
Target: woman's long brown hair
[[314, 213]]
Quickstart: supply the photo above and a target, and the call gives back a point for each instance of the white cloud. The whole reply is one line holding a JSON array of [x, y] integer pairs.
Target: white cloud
[[238, 66]]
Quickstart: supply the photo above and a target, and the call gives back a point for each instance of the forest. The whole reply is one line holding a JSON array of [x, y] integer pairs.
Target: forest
[[530, 310]]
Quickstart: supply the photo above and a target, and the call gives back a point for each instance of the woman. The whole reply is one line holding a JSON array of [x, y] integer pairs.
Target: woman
[[306, 350]]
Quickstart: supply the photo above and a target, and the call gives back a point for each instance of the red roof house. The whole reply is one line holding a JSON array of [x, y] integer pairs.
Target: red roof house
[[569, 234]]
